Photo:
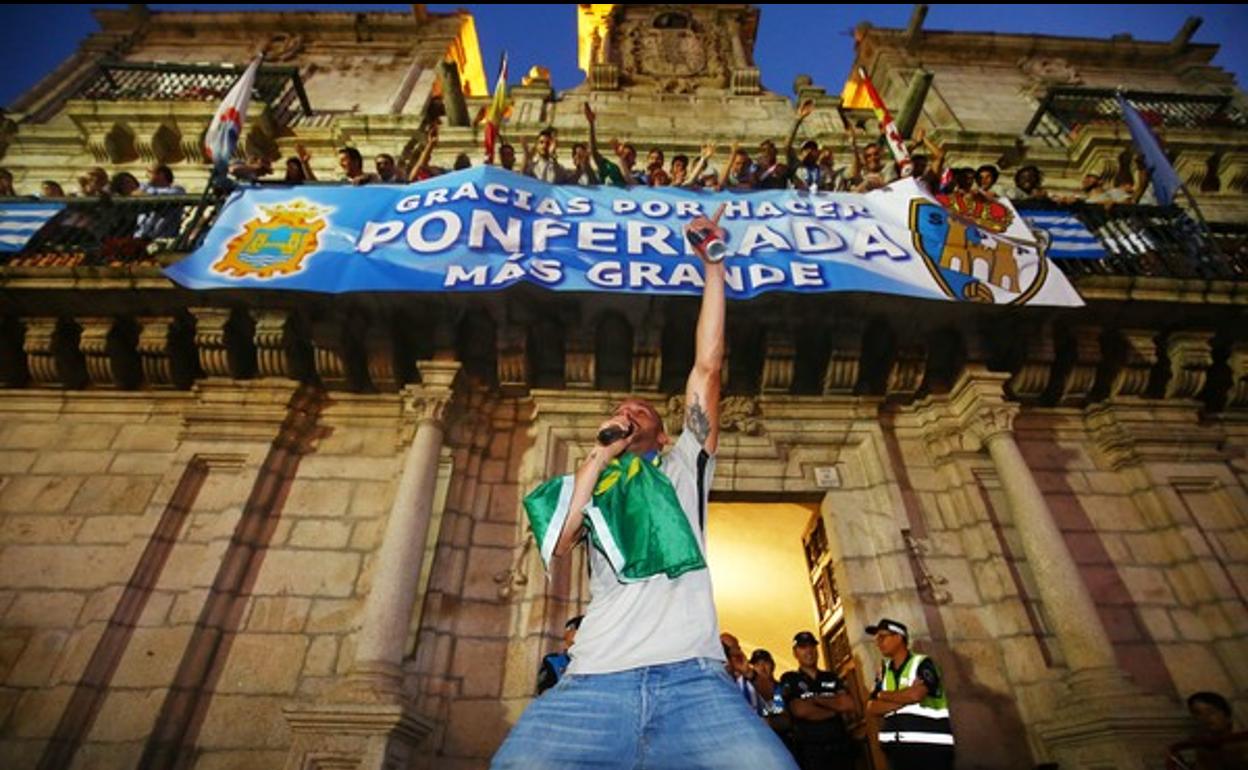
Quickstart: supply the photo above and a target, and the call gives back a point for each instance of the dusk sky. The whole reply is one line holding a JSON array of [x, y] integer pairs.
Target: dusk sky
[[792, 39]]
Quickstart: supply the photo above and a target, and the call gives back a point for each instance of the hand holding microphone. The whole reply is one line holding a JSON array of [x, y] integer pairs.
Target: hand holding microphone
[[612, 432]]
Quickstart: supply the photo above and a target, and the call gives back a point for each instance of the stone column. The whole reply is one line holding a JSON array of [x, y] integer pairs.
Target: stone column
[[979, 404], [1106, 720], [366, 722], [388, 607]]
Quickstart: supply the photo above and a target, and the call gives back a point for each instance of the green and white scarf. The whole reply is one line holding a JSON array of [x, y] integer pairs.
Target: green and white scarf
[[634, 519]]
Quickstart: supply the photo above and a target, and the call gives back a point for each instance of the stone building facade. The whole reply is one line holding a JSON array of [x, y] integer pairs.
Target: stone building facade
[[254, 530]]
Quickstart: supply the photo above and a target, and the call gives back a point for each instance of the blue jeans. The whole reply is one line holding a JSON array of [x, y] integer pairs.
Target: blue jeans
[[678, 716]]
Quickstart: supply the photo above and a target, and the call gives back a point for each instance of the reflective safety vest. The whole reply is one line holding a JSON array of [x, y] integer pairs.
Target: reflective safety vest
[[923, 723]]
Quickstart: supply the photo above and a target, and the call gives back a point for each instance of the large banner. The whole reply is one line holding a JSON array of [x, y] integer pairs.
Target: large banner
[[484, 229]]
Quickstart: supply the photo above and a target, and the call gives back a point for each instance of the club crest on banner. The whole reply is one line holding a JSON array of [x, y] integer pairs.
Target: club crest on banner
[[967, 252], [275, 243]]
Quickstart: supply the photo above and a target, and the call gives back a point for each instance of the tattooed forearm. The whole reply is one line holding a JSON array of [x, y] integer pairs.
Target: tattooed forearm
[[697, 421]]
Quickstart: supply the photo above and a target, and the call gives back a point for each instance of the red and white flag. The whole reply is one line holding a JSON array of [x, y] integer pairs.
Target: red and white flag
[[887, 127]]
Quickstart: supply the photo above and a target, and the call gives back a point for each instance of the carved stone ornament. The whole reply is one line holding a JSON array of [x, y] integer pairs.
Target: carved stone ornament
[[1048, 71], [670, 50], [736, 414], [283, 46]]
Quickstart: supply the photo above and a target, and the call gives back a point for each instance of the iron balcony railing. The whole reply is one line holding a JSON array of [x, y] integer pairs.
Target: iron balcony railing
[[1153, 241], [1065, 110], [114, 231], [279, 87]]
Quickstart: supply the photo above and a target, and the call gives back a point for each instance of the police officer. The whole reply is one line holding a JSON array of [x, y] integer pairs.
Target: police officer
[[554, 664], [916, 731], [817, 702]]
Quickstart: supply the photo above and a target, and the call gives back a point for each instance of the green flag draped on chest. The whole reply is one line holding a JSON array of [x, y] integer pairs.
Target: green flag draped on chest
[[634, 519]]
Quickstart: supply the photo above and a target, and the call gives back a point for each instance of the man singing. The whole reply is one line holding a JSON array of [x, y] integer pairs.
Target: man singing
[[646, 688]]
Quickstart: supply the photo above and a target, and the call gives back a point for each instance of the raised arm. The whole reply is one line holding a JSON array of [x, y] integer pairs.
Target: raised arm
[[803, 111], [426, 152], [693, 176], [702, 388]]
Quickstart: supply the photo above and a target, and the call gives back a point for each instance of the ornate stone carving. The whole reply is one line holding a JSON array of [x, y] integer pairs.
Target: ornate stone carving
[[1139, 358], [1084, 349], [779, 358], [978, 404], [379, 358], [214, 358], [40, 359], [270, 338], [1238, 363], [671, 50], [513, 358], [1045, 72], [1233, 171], [844, 357], [428, 408], [1112, 440], [433, 399], [738, 414], [1032, 378], [604, 77], [578, 360], [94, 346], [154, 351], [329, 354], [906, 373], [989, 421], [283, 47], [746, 80], [1190, 355], [647, 359], [943, 442]]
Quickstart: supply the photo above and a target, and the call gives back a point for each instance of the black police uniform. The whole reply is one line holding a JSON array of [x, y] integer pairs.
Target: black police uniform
[[822, 745]]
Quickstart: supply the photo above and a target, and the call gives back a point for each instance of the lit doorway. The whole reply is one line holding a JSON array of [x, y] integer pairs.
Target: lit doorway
[[758, 567], [772, 571]]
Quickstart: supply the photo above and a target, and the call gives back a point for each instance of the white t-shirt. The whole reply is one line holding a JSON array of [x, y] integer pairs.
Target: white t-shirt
[[660, 620]]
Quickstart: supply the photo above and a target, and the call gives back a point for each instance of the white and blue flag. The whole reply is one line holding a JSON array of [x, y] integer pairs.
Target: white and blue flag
[[1069, 238], [20, 221]]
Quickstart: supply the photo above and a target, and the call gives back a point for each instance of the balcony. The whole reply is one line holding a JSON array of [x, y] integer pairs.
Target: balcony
[[1065, 111], [1154, 242], [113, 231], [280, 88]]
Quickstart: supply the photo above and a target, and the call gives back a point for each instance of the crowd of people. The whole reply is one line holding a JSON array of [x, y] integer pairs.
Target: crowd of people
[[119, 233], [792, 165], [98, 183]]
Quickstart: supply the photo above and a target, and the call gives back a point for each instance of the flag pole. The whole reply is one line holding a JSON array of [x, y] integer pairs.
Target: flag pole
[[200, 207], [1200, 217]]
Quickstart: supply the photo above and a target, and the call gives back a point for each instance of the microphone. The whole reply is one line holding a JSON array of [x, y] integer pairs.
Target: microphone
[[613, 433]]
